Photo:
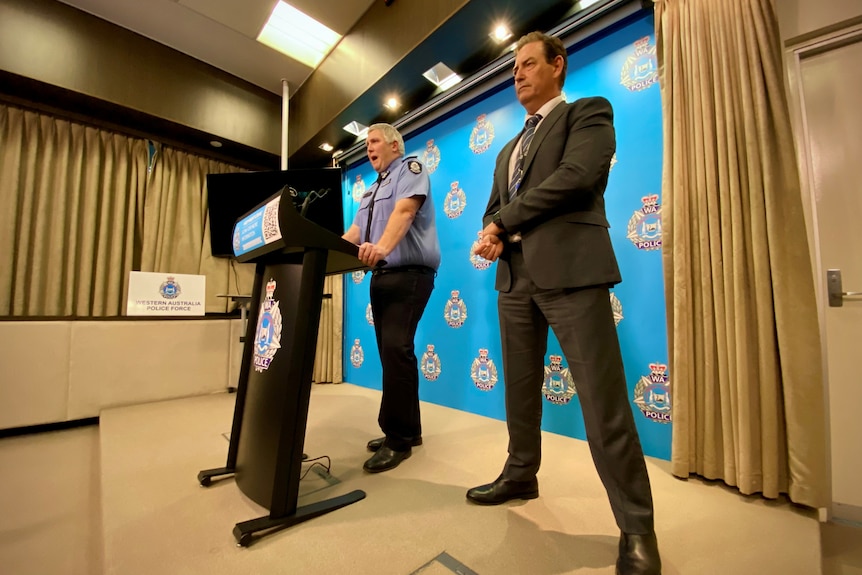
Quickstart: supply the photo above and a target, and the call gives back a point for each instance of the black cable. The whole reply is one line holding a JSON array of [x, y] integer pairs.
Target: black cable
[[316, 461]]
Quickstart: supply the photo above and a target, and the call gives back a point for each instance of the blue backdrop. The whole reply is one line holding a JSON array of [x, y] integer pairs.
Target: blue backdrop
[[458, 342]]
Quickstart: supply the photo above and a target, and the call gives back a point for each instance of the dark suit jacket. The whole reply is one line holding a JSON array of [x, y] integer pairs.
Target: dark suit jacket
[[560, 206]]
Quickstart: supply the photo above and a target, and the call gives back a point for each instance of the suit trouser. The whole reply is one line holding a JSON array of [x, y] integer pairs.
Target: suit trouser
[[398, 301], [582, 320]]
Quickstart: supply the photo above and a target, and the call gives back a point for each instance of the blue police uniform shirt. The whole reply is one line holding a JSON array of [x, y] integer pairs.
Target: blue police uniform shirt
[[420, 246]]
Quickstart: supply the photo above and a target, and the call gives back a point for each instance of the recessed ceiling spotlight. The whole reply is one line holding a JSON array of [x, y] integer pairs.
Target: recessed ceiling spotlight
[[326, 147], [392, 103], [500, 34], [215, 144]]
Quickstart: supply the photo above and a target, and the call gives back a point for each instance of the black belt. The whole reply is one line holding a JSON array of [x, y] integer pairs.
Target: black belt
[[414, 269]]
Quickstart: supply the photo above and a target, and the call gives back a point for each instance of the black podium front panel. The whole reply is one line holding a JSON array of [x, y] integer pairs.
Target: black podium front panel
[[271, 435]]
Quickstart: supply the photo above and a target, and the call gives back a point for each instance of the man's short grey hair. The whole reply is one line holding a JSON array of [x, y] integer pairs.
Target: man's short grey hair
[[390, 134]]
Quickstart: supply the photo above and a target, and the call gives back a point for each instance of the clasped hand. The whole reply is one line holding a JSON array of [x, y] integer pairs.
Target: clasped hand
[[370, 254], [490, 245]]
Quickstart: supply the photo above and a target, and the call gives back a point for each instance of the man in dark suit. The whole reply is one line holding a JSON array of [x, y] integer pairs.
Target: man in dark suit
[[546, 226]]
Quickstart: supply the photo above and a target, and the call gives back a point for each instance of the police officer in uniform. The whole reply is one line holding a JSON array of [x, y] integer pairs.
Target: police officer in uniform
[[396, 233]]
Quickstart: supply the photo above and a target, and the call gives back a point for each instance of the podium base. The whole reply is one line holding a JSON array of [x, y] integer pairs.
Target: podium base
[[244, 532], [205, 477]]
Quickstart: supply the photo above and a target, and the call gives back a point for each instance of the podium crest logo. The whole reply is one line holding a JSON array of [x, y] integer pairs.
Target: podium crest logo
[[358, 276], [652, 394], [640, 70], [170, 289], [482, 135], [478, 261], [267, 337], [358, 188], [357, 356], [483, 372], [455, 311], [558, 386], [617, 308], [430, 364], [430, 156], [455, 202], [369, 314], [237, 243], [644, 229]]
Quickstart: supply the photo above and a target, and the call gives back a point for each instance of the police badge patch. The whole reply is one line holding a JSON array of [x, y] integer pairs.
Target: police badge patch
[[478, 261], [455, 201], [644, 229], [483, 372], [482, 135], [369, 315], [267, 337], [652, 394], [357, 356], [431, 156], [414, 167], [358, 188], [430, 364], [170, 289], [455, 311], [640, 70], [358, 276], [558, 386]]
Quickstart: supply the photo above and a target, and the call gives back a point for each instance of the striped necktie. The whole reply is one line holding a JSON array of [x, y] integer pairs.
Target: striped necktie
[[526, 138]]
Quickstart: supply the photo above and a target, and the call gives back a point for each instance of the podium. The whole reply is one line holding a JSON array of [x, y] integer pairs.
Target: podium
[[293, 254]]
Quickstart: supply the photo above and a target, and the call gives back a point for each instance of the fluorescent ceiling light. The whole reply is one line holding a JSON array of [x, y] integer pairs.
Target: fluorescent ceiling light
[[442, 76], [299, 36], [500, 34], [356, 128]]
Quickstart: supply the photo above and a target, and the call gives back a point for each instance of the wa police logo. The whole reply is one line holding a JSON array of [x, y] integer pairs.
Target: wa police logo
[[478, 261], [267, 338], [652, 394], [358, 188], [170, 289], [558, 387], [613, 162], [431, 156], [640, 70], [358, 276], [357, 356], [430, 365], [237, 244], [483, 372], [369, 315], [482, 135], [644, 229], [455, 311], [455, 202], [414, 167], [617, 308]]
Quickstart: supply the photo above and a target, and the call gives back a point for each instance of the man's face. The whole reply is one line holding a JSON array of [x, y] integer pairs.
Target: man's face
[[536, 80], [380, 154]]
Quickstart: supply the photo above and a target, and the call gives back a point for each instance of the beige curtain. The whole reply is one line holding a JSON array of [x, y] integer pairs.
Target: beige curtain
[[67, 228], [176, 227], [742, 323], [327, 361]]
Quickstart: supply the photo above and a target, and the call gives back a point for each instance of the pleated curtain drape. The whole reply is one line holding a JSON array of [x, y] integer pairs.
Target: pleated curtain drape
[[744, 345]]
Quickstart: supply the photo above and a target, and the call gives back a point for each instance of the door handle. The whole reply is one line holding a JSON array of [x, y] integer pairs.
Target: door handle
[[836, 291]]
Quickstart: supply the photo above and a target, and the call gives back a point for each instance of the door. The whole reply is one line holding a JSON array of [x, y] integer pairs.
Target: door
[[829, 81]]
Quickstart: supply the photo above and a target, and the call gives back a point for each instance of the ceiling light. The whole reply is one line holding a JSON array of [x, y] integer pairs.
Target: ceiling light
[[299, 36], [392, 103], [215, 144], [501, 33], [356, 129], [325, 146], [442, 76], [584, 4]]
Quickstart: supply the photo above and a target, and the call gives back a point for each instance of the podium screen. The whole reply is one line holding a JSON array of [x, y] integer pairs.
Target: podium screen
[[231, 196]]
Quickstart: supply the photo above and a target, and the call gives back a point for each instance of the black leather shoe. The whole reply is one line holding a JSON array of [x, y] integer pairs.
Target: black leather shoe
[[638, 555], [385, 459], [503, 490], [375, 444]]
